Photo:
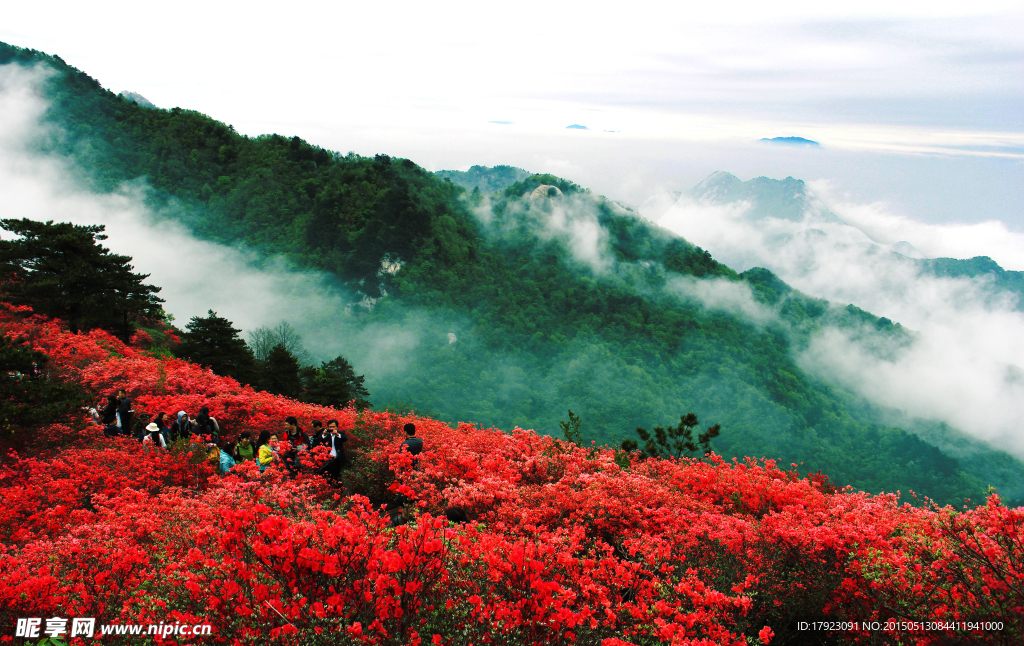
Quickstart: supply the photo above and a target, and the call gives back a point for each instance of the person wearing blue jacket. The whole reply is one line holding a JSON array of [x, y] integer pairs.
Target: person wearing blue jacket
[[222, 459]]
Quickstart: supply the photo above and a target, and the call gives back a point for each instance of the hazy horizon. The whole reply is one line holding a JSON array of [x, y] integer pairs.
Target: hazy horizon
[[917, 109]]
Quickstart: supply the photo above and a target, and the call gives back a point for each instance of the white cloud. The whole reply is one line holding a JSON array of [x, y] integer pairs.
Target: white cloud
[[965, 366], [195, 275], [951, 240], [722, 294]]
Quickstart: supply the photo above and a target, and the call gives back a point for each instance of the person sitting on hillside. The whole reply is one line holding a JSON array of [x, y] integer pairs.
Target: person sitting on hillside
[[165, 431], [206, 425], [244, 450], [403, 515], [266, 449], [227, 461], [182, 428], [109, 417], [153, 436], [412, 444], [125, 412], [139, 429], [219, 459]]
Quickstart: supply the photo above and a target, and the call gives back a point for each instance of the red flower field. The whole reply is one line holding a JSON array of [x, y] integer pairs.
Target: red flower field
[[564, 544]]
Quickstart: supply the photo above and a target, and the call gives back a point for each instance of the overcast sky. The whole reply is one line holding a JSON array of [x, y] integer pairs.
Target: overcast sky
[[919, 109]]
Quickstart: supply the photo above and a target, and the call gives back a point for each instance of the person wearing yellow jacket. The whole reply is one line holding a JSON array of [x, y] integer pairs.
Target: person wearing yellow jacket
[[266, 449]]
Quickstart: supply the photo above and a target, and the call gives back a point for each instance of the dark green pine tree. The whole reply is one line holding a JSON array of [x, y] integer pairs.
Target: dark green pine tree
[[280, 373], [674, 441], [335, 383], [213, 341], [60, 270]]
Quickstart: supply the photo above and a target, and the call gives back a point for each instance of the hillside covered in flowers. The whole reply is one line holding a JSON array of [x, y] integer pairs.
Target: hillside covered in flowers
[[564, 544], [488, 305]]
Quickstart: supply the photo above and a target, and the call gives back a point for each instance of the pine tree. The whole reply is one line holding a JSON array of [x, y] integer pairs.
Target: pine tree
[[280, 373], [335, 383], [60, 270], [213, 341], [674, 441]]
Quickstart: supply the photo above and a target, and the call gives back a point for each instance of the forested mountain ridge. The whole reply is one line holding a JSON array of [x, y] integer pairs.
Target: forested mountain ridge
[[558, 300], [485, 179]]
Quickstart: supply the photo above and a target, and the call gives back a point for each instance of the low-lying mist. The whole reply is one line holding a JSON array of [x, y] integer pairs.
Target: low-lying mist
[[408, 353], [195, 275], [965, 365]]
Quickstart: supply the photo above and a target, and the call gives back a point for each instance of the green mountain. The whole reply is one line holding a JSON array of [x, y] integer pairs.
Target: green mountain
[[486, 179], [1003, 282], [509, 309]]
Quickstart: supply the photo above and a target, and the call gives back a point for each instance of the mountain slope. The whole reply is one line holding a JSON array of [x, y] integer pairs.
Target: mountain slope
[[556, 298], [485, 179]]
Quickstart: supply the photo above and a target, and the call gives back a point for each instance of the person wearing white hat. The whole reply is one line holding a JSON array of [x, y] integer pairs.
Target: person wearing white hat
[[154, 436]]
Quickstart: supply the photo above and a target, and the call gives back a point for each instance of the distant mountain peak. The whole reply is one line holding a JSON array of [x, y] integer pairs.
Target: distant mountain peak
[[786, 199], [790, 141], [717, 183], [137, 98], [486, 179]]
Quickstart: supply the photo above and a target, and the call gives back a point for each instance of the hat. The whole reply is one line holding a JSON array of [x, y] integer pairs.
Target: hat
[[153, 428]]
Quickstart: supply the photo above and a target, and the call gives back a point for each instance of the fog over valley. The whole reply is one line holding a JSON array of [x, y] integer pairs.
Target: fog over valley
[[964, 366], [508, 298], [545, 323]]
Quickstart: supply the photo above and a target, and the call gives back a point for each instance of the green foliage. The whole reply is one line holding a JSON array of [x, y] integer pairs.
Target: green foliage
[[571, 429], [674, 441], [212, 341], [335, 383], [279, 374], [484, 179], [538, 327], [62, 271], [29, 398], [998, 282]]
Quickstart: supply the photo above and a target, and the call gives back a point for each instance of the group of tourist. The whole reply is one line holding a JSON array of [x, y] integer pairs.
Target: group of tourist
[[283, 448], [118, 418]]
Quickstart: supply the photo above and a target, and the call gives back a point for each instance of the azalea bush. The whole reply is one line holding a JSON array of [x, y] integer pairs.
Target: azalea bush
[[564, 544]]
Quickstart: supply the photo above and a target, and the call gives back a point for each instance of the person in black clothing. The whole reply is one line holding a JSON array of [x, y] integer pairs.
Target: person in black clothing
[[139, 426], [206, 425], [124, 411], [338, 440], [182, 428], [334, 439], [109, 417], [412, 443], [319, 435], [456, 515]]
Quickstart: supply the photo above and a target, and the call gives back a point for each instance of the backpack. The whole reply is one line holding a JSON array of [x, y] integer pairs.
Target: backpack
[[205, 427]]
